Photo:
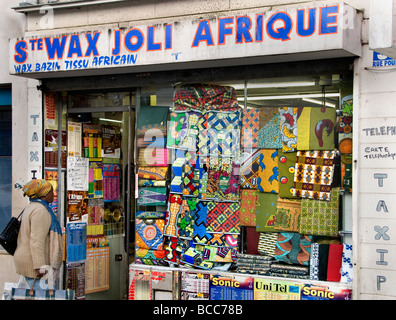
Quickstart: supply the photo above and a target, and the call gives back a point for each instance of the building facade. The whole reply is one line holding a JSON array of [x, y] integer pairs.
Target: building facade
[[90, 69]]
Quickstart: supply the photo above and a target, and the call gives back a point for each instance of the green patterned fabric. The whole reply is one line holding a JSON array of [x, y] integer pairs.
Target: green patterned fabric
[[266, 211], [320, 217]]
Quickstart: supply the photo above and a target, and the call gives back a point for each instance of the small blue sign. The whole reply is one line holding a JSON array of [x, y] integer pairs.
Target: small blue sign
[[380, 60]]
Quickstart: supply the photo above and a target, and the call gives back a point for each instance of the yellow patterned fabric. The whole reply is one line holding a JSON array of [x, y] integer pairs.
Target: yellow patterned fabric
[[36, 188]]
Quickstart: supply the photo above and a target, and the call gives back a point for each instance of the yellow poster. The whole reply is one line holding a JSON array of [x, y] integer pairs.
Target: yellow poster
[[271, 289]]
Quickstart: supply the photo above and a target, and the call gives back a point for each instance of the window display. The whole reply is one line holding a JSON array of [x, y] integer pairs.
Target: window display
[[251, 189]]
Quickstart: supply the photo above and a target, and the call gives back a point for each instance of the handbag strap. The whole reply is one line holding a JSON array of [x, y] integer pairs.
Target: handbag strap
[[20, 213], [31, 291]]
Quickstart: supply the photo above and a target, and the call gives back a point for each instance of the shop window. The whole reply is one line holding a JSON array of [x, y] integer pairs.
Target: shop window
[[257, 180], [5, 157]]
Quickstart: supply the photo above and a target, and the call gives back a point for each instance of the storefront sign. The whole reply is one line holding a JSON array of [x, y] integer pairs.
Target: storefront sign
[[332, 30]]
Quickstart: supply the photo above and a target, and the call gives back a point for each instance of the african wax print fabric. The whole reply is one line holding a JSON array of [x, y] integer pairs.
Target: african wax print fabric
[[287, 216], [319, 217], [314, 174], [315, 127], [204, 97], [267, 243], [153, 173], [268, 171], [151, 196], [293, 248], [149, 233], [221, 134], [172, 215], [266, 211], [249, 169], [287, 168], [269, 133], [247, 216], [223, 217], [288, 128], [250, 128]]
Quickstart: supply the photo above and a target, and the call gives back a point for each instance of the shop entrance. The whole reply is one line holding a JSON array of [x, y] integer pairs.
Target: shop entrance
[[100, 130]]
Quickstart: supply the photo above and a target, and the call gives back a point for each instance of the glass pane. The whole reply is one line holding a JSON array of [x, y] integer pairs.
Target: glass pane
[[5, 190]]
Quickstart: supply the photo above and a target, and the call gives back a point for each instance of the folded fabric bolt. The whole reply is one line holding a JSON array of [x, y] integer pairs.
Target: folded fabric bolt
[[153, 173], [186, 218], [267, 243], [250, 169], [293, 248], [150, 257], [268, 171], [318, 261], [314, 174], [150, 215], [266, 211], [250, 128], [200, 234], [335, 262], [223, 134], [177, 129], [315, 127], [149, 233], [152, 196], [223, 217], [319, 217], [347, 264], [172, 215], [157, 157], [151, 183], [205, 97], [252, 240], [288, 128], [287, 168], [269, 133], [224, 240], [247, 216], [287, 216]]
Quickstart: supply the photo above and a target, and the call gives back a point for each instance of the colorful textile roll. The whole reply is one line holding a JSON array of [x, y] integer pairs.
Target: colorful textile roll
[[293, 248], [314, 174]]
